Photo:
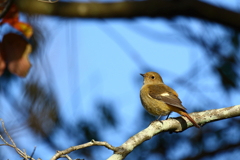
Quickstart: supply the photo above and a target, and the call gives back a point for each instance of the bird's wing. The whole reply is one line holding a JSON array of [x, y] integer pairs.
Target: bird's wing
[[166, 94]]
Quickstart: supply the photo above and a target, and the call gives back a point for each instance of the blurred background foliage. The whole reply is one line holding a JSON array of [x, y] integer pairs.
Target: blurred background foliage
[[34, 108]]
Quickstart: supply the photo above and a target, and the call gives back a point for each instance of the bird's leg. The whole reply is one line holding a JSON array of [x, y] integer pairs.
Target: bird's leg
[[168, 115]]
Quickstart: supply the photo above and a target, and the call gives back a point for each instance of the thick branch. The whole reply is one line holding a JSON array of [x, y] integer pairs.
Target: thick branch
[[132, 9], [173, 125]]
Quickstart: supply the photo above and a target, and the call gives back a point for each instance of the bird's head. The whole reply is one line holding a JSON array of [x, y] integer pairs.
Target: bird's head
[[152, 78]]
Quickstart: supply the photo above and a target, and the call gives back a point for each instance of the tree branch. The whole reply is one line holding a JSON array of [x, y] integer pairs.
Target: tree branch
[[178, 124], [132, 9], [173, 125], [22, 154], [85, 145]]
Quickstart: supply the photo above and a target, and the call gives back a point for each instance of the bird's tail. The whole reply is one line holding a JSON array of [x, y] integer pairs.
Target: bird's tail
[[190, 118]]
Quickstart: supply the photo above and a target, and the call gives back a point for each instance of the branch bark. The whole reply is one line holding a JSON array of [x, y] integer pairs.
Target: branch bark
[[133, 9], [178, 124], [173, 125], [74, 148], [22, 154]]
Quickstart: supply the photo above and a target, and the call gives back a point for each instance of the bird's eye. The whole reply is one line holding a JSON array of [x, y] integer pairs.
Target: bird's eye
[[152, 77]]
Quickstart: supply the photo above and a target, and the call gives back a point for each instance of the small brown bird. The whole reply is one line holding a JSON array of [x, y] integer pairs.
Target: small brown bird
[[159, 99]]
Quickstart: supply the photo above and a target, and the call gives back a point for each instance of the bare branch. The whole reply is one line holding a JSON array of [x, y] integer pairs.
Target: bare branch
[[173, 125], [13, 145], [3, 126], [178, 124], [85, 145], [132, 9], [66, 156], [33, 152]]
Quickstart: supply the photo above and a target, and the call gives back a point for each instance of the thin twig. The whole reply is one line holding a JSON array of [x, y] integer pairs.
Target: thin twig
[[3, 139], [66, 156], [85, 145], [7, 133], [13, 145], [33, 152]]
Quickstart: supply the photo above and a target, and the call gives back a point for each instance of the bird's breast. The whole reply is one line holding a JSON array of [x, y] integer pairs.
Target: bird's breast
[[153, 106]]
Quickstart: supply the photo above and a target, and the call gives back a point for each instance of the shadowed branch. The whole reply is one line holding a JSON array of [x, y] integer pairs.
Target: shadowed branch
[[133, 9]]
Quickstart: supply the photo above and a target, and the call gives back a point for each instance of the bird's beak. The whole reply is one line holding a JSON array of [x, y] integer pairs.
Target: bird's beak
[[142, 74]]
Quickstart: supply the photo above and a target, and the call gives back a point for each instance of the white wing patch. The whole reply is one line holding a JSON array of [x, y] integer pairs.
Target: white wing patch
[[165, 94], [149, 95]]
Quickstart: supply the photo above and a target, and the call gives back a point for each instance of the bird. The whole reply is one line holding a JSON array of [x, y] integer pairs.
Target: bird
[[159, 99]]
